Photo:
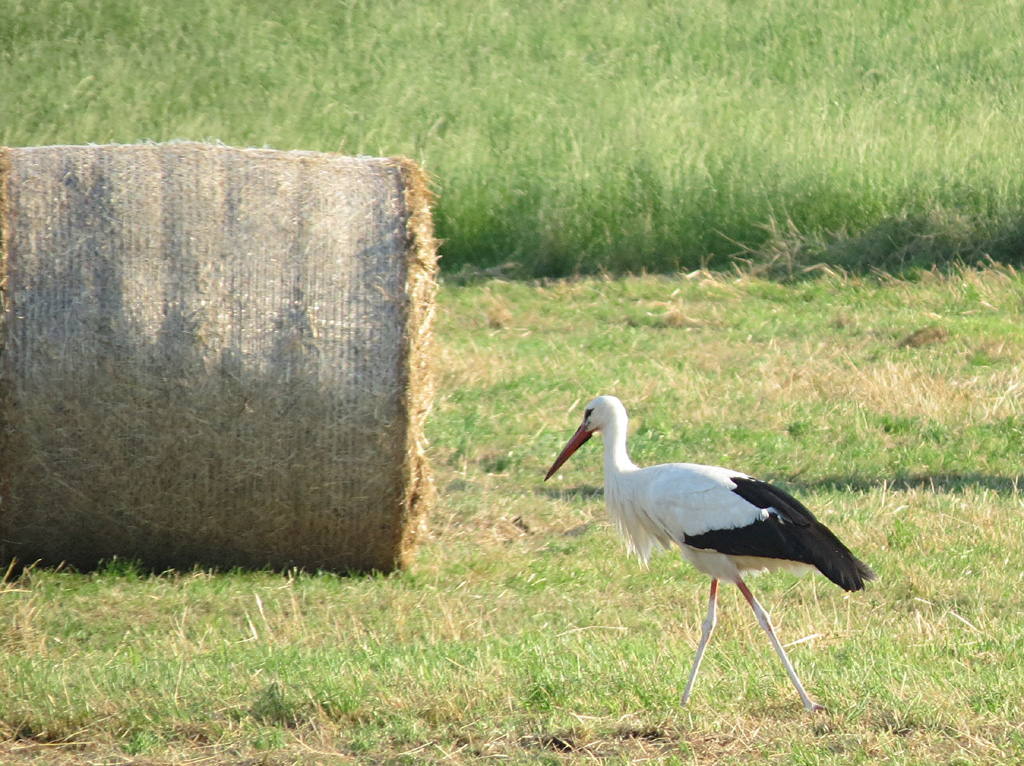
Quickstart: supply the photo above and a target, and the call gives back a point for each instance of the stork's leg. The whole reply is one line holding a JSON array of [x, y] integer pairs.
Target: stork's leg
[[762, 617], [709, 625]]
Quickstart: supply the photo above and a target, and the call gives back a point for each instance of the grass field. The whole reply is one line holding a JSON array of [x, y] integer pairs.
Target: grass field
[[820, 157], [578, 137], [524, 634]]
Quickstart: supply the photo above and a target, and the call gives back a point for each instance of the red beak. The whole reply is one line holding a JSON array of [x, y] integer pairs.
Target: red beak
[[578, 440]]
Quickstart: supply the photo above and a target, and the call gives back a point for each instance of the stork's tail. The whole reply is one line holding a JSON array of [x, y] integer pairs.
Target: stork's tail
[[839, 564]]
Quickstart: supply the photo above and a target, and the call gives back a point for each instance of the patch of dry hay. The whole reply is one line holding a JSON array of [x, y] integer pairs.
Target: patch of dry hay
[[214, 356]]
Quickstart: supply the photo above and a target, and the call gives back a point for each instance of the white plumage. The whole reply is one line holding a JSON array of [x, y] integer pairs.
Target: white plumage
[[725, 523]]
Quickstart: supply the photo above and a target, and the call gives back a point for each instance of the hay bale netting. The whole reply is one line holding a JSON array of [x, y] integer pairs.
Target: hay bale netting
[[213, 356]]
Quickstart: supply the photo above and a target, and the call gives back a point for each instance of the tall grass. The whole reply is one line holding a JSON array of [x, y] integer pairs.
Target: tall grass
[[581, 136]]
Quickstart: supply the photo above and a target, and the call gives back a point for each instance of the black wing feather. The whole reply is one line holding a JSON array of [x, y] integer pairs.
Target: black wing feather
[[791, 533], [765, 495]]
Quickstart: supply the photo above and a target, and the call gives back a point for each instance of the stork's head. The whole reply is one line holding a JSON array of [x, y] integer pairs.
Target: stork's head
[[602, 413]]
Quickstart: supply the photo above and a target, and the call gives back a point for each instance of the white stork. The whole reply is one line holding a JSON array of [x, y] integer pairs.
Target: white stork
[[724, 522]]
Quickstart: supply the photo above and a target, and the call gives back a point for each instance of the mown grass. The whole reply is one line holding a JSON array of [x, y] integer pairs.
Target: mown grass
[[579, 137], [524, 633]]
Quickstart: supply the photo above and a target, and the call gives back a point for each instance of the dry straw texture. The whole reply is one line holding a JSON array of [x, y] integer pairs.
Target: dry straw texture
[[214, 356]]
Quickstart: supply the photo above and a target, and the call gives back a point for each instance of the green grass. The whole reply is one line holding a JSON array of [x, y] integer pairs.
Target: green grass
[[523, 632], [578, 137], [581, 137]]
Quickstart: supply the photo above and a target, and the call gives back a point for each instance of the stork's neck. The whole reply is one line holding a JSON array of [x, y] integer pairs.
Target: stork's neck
[[616, 458]]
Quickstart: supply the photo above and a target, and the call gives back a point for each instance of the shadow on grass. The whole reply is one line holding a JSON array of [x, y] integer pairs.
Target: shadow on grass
[[580, 491], [946, 483], [902, 246]]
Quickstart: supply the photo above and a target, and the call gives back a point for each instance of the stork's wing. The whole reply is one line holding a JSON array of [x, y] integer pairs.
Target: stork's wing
[[769, 497], [732, 513], [686, 499]]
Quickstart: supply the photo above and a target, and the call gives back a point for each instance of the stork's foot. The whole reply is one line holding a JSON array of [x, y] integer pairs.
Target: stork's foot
[[814, 707]]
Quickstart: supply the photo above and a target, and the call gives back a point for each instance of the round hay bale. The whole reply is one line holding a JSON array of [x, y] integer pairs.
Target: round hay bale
[[213, 356]]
